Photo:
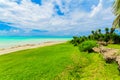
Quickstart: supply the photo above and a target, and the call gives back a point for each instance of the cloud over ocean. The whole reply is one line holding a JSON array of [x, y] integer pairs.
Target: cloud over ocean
[[54, 17]]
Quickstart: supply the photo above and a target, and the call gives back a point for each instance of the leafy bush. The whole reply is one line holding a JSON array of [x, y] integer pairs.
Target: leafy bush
[[75, 41], [87, 45]]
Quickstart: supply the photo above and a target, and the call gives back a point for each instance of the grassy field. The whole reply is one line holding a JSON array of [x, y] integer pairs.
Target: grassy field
[[115, 46], [57, 62]]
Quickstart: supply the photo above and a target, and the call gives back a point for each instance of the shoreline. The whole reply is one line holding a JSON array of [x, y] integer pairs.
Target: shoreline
[[28, 46]]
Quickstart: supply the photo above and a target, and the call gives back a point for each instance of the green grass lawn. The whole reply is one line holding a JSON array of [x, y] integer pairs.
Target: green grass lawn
[[115, 46], [57, 62]]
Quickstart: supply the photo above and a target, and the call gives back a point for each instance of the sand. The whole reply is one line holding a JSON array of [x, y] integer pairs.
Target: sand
[[28, 46]]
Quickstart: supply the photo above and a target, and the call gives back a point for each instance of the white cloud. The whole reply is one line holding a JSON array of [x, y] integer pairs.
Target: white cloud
[[26, 11], [44, 17], [96, 9]]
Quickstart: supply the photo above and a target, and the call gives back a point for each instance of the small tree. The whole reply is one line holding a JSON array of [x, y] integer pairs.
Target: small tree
[[99, 30], [93, 32], [107, 30]]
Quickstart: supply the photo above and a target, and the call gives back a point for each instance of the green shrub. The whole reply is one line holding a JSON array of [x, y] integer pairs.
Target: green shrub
[[87, 45], [75, 40]]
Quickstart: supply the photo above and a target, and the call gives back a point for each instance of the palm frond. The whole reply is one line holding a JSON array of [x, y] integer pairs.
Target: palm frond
[[116, 23], [116, 11], [116, 7]]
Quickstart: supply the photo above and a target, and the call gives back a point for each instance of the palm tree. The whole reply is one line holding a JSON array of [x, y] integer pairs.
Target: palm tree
[[112, 30], [116, 11], [99, 30], [107, 30], [93, 32]]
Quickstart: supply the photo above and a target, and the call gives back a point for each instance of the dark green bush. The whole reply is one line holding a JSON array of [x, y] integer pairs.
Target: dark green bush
[[75, 41], [87, 45]]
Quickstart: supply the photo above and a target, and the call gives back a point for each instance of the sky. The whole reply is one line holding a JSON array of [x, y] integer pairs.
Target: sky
[[54, 17]]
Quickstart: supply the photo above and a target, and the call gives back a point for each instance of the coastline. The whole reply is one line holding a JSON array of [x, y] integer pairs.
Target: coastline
[[28, 46]]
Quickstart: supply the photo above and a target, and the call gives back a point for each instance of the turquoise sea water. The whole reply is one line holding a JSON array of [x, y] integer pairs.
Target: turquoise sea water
[[7, 42]]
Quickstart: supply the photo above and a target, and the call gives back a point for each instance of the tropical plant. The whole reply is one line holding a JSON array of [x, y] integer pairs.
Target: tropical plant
[[99, 30], [110, 37], [75, 41], [116, 11], [107, 30], [112, 30], [87, 45], [92, 32]]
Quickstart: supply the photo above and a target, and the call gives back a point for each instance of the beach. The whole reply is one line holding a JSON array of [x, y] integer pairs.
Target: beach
[[8, 42], [12, 44], [28, 46]]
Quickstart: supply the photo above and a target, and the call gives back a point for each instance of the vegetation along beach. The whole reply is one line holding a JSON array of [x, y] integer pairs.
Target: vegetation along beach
[[59, 40]]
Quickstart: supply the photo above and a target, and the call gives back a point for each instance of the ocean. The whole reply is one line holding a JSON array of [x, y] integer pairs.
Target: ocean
[[7, 42]]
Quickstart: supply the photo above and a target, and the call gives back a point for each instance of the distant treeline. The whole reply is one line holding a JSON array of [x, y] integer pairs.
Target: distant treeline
[[110, 37]]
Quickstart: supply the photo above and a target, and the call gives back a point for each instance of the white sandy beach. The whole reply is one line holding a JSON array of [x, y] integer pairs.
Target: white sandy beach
[[28, 46]]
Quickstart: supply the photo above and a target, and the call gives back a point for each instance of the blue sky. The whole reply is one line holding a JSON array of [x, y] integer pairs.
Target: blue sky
[[54, 17]]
